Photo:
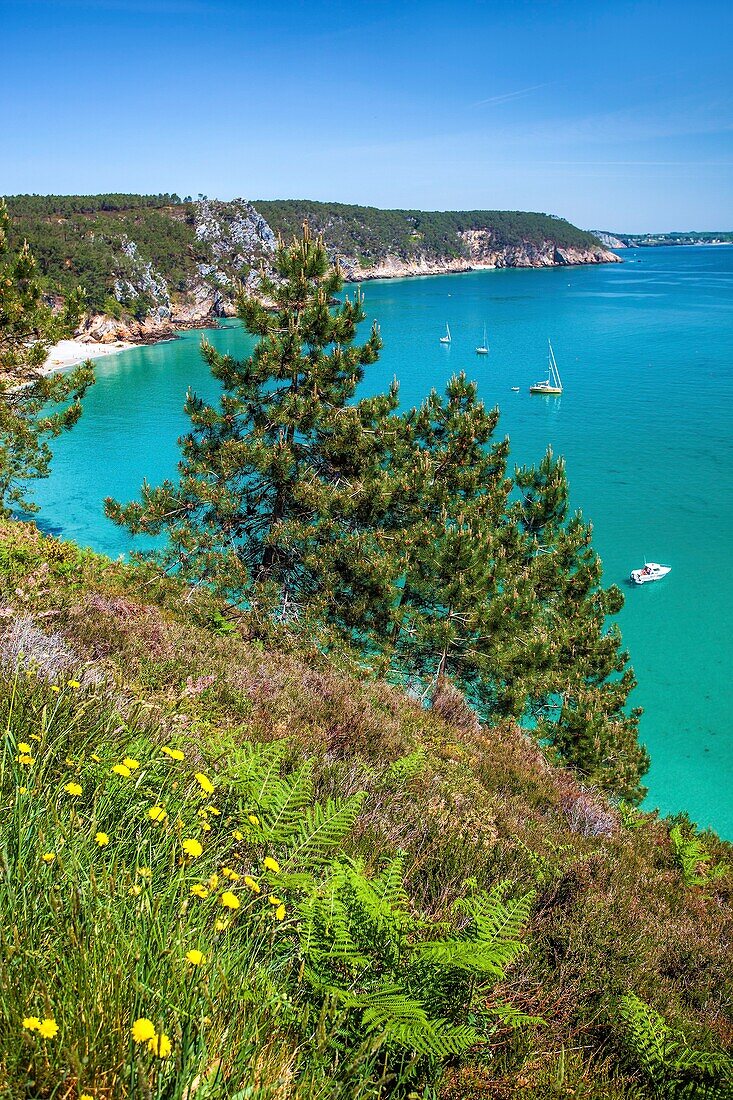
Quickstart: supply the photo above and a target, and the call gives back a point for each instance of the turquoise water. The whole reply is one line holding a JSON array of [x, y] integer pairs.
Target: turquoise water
[[645, 350]]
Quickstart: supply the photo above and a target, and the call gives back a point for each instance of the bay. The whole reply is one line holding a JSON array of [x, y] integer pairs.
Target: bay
[[645, 351]]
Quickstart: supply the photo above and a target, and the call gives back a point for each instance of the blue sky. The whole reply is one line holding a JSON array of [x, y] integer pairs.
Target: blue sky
[[616, 115]]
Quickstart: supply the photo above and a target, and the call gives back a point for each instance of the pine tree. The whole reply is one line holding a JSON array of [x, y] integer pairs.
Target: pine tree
[[579, 681], [283, 487], [28, 327], [455, 547]]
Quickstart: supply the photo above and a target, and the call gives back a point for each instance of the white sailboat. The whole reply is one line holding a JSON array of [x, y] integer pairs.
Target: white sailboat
[[552, 383], [446, 339], [483, 349]]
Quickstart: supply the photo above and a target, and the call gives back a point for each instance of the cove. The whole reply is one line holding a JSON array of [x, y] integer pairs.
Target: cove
[[645, 424]]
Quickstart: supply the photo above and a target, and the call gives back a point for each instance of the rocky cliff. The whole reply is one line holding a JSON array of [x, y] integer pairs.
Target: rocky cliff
[[153, 264]]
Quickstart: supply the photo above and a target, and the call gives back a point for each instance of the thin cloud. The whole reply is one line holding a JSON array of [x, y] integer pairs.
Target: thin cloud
[[494, 99]]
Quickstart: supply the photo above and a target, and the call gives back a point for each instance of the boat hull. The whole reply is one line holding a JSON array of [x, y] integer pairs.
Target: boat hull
[[649, 573], [545, 389]]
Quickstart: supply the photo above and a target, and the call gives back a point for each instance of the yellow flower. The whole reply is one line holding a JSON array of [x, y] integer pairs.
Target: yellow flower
[[213, 882], [73, 683], [229, 900], [274, 900], [55, 688], [230, 874], [160, 1045], [192, 848], [144, 872], [271, 864], [237, 835], [205, 784], [96, 759], [35, 737], [199, 890], [213, 810], [135, 891], [24, 747], [69, 762], [48, 857], [253, 818], [22, 790], [205, 827], [252, 885], [221, 925], [195, 957], [130, 763], [73, 789], [121, 769], [31, 1023], [24, 758], [175, 754], [157, 813], [86, 1096], [280, 912], [143, 1030], [102, 839], [48, 1028]]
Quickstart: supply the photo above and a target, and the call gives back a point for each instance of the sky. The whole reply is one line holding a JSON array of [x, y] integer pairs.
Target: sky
[[616, 115]]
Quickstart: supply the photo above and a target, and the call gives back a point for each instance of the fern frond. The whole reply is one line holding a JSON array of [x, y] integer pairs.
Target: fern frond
[[325, 825], [283, 802]]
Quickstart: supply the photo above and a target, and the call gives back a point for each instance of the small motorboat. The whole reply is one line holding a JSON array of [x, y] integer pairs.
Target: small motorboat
[[652, 571]]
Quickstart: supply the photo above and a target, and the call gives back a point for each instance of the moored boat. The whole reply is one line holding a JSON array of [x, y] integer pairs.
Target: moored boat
[[552, 384], [652, 571]]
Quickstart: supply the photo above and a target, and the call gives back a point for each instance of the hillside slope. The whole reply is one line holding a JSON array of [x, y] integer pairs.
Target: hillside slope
[[152, 263], [135, 667]]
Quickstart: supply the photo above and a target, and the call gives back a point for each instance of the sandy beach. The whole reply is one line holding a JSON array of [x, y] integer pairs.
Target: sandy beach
[[67, 353]]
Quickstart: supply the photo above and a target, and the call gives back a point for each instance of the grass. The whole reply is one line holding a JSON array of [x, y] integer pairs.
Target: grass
[[94, 942]]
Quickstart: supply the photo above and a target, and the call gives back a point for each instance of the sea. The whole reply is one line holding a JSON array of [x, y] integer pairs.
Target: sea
[[645, 422]]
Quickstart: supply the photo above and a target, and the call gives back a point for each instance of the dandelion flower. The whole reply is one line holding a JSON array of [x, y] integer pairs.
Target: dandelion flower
[[74, 789], [192, 848], [54, 687], [130, 763], [31, 1023], [24, 747], [157, 813], [195, 957], [280, 912], [213, 810], [271, 864], [273, 900], [86, 1096], [227, 872], [175, 754], [24, 758], [250, 883], [229, 900], [213, 882], [48, 1028], [102, 839], [221, 925], [205, 827], [160, 1045], [144, 872], [74, 684], [96, 759], [48, 857], [143, 1030], [205, 784], [199, 890], [237, 835], [121, 769], [22, 790], [135, 891], [253, 819]]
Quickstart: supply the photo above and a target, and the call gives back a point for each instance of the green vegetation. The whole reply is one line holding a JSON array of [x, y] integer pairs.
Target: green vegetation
[[370, 234], [28, 327], [394, 832], [82, 240], [400, 539]]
